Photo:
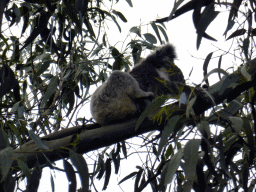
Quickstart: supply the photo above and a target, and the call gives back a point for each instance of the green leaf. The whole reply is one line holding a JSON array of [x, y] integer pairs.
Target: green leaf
[[191, 158], [42, 68], [79, 162], [136, 185], [6, 159], [120, 15], [163, 32], [89, 27], [108, 173], [24, 167], [205, 66], [128, 177], [204, 129], [236, 123], [229, 81], [124, 149], [33, 181], [171, 167], [115, 21], [71, 176], [168, 130], [154, 26], [129, 2], [150, 109], [136, 30], [150, 38], [37, 140], [3, 139], [51, 89], [206, 18], [52, 183]]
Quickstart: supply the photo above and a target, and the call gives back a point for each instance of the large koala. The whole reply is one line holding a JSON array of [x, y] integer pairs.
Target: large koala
[[126, 94], [158, 73], [117, 98]]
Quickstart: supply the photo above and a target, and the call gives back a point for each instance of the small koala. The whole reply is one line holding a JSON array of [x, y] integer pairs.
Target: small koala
[[117, 98], [158, 73]]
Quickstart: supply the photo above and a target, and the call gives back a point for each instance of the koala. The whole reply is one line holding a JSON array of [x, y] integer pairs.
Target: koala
[[125, 95], [157, 73], [117, 98]]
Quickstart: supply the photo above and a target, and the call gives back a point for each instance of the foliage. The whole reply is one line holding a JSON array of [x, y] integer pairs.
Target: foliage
[[62, 48]]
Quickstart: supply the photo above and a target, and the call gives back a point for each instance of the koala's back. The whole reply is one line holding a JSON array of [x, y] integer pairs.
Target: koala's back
[[115, 99]]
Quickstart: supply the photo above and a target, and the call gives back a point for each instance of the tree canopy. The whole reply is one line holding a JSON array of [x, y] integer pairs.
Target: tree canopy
[[54, 51]]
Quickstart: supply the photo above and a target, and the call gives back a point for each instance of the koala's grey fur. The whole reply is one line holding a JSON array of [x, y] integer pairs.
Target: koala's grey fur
[[116, 98], [125, 94], [158, 73]]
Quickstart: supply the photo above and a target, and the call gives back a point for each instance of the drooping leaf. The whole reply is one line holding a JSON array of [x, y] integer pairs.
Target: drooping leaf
[[128, 177], [101, 166], [234, 9], [150, 109], [24, 167], [33, 181], [164, 33], [205, 66], [150, 38], [37, 140], [246, 43], [171, 167], [237, 33], [229, 26], [6, 158], [138, 177], [168, 130], [219, 65], [51, 89], [71, 176], [230, 80], [89, 27], [204, 128], [120, 15], [208, 15], [155, 28], [115, 21], [3, 139], [129, 2], [136, 30], [107, 174], [191, 159], [123, 146], [52, 183], [79, 162], [39, 27]]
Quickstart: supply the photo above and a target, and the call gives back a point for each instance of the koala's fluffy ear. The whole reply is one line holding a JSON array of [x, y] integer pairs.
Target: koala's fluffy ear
[[166, 51]]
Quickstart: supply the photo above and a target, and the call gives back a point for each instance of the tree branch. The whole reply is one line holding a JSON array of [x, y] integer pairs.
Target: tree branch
[[92, 137]]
